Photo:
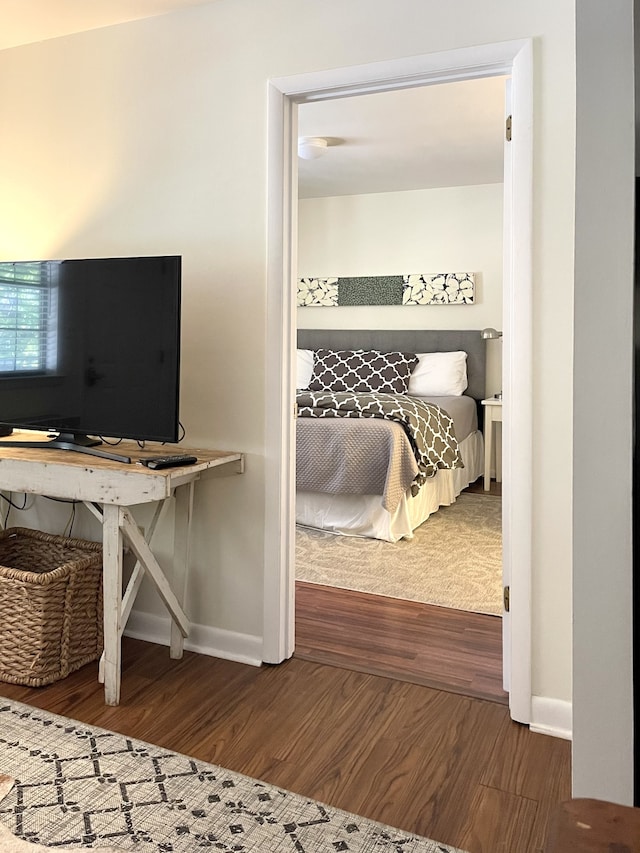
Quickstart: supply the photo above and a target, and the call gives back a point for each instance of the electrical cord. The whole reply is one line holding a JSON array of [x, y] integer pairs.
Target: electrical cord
[[11, 504], [141, 443], [72, 517]]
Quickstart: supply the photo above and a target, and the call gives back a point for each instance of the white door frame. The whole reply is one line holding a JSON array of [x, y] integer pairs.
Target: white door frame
[[514, 58]]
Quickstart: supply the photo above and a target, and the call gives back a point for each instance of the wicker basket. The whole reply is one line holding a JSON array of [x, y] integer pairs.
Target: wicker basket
[[50, 606]]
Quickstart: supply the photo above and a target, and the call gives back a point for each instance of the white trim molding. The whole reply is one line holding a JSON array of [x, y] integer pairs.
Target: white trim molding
[[551, 717], [517, 386], [215, 642], [516, 59]]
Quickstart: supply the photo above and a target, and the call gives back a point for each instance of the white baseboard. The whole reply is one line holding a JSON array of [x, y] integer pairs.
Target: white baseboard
[[548, 716], [551, 717], [229, 645]]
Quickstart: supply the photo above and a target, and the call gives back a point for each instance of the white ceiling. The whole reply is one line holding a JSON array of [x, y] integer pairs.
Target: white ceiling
[[433, 136], [444, 135]]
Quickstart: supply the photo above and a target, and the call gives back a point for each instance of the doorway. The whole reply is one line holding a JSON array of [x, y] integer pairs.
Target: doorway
[[409, 180], [513, 59]]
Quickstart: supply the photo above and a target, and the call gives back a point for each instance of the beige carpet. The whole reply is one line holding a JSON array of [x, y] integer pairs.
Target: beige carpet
[[454, 559]]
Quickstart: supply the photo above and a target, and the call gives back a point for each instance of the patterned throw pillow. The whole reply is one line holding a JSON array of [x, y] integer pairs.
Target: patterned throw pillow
[[362, 371]]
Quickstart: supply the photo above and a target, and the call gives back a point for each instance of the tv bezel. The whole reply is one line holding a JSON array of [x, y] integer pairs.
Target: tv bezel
[[87, 440]]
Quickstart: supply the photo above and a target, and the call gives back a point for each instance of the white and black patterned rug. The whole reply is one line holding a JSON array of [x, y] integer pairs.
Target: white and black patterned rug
[[80, 786]]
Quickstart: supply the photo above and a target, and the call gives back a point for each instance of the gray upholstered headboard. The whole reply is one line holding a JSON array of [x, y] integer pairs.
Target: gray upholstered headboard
[[407, 340]]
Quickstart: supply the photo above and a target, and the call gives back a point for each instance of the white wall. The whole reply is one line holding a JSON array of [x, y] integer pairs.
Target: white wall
[[602, 581], [455, 229], [151, 137]]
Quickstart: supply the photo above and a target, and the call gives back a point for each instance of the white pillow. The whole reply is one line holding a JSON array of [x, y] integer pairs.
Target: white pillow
[[304, 368], [439, 374]]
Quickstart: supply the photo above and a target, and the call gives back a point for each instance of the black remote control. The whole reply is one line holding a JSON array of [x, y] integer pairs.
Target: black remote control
[[169, 461]]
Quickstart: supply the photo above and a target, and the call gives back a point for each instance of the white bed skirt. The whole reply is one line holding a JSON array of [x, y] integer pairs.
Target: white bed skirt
[[364, 515]]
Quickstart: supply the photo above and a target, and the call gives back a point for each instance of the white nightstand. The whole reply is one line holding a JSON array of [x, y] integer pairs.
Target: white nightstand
[[492, 416]]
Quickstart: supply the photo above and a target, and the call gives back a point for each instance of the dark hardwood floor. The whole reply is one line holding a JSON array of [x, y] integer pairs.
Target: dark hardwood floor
[[447, 766], [433, 646], [364, 737], [477, 488]]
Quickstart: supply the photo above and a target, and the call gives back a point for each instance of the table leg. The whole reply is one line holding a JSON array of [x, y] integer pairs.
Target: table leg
[[181, 544], [147, 559], [498, 444], [112, 592]]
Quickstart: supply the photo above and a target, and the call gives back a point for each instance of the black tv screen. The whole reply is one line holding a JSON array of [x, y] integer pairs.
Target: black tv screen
[[91, 347]]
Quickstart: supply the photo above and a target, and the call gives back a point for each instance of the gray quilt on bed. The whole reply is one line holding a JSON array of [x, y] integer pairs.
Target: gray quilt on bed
[[394, 443]]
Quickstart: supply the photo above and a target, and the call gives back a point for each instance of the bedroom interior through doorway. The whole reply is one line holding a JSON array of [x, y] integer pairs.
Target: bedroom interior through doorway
[[384, 104]]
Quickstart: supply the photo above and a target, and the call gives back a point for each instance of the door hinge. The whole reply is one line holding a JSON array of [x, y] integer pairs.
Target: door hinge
[[506, 597], [508, 128]]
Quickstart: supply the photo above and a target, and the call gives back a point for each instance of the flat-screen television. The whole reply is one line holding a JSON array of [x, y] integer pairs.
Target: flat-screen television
[[90, 349]]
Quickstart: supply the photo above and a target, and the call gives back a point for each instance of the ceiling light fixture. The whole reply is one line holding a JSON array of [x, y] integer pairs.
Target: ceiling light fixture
[[312, 147]]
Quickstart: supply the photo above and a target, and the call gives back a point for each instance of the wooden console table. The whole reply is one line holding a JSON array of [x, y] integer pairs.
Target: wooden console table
[[108, 489]]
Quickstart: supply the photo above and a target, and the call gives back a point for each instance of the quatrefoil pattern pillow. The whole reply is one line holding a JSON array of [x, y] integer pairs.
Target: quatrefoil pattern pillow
[[362, 371]]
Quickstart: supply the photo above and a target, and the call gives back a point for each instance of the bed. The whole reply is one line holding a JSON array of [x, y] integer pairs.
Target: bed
[[339, 488]]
